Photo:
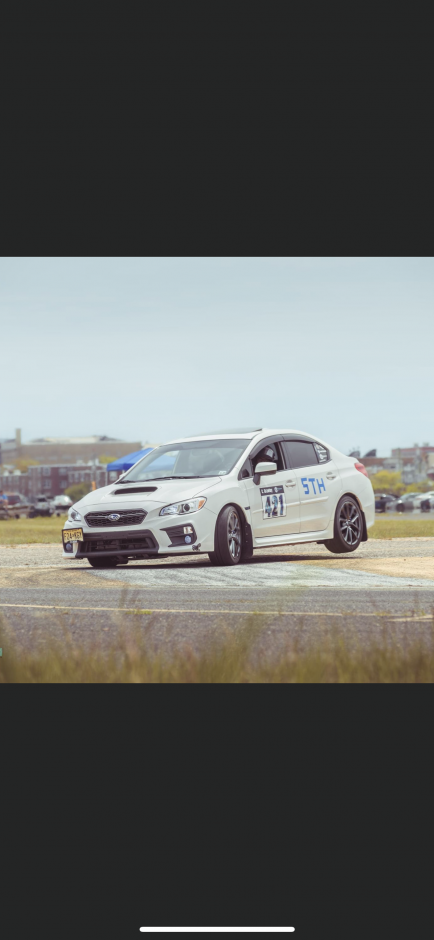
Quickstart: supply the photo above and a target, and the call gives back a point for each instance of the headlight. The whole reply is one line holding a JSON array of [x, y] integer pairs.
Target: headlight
[[73, 515], [176, 509]]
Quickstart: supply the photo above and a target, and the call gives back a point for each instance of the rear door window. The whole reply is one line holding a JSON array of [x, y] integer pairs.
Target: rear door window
[[300, 454]]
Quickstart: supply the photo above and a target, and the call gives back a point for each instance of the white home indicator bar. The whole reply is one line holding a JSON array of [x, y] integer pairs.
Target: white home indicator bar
[[217, 929]]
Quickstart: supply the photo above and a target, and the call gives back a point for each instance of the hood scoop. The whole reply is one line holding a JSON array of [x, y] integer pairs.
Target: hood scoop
[[134, 489]]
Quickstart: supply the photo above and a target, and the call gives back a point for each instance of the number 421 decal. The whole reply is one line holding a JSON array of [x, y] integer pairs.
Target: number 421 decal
[[305, 483]]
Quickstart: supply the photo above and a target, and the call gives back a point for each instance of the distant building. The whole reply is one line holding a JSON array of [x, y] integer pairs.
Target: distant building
[[52, 480], [411, 453], [413, 463], [14, 482], [375, 464], [67, 450], [8, 447]]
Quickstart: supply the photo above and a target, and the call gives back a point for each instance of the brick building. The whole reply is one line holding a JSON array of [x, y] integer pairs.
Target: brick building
[[14, 482], [52, 480]]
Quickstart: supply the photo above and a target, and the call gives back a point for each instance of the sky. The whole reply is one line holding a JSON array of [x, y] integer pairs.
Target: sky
[[151, 349]]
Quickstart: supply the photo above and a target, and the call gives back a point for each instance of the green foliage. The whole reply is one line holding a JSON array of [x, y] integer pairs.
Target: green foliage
[[106, 458], [385, 481], [23, 464], [77, 491], [422, 487]]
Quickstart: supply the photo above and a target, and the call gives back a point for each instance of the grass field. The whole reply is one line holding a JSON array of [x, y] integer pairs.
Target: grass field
[[45, 530], [402, 526], [232, 660], [42, 529]]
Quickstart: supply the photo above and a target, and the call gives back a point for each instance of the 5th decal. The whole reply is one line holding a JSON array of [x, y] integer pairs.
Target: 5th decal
[[305, 483]]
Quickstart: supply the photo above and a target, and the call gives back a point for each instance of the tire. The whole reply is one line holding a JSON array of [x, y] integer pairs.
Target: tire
[[348, 527], [110, 562], [228, 539]]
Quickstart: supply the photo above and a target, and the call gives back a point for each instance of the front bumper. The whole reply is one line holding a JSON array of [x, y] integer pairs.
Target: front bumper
[[163, 537]]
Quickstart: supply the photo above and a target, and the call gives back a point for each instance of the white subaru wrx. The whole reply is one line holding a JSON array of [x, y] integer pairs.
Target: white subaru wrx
[[225, 494]]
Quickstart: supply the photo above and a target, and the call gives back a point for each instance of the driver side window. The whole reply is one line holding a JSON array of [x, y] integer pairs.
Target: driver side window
[[270, 453]]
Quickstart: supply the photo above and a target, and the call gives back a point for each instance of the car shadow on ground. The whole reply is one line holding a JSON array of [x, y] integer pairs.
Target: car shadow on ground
[[190, 562]]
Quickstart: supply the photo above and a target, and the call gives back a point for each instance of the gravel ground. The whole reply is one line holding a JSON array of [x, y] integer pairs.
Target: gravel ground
[[301, 591]]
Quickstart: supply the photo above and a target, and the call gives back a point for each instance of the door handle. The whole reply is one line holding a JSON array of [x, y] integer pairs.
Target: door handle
[[331, 476], [291, 483]]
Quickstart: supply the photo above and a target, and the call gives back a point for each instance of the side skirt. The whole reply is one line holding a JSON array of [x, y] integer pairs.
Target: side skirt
[[298, 538]]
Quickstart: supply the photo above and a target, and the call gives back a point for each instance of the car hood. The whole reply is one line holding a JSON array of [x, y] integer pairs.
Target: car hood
[[118, 496]]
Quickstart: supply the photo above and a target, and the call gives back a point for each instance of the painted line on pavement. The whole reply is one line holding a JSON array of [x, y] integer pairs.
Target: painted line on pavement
[[191, 610]]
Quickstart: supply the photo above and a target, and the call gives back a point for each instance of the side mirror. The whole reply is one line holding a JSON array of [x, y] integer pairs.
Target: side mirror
[[263, 468]]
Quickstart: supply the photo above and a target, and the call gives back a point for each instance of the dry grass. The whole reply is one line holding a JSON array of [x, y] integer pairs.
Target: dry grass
[[235, 658]]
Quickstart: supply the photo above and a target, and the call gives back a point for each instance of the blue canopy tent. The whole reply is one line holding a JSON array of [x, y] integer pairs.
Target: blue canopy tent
[[124, 463]]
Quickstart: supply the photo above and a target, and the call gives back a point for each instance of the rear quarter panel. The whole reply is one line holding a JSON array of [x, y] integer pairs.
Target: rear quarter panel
[[357, 484]]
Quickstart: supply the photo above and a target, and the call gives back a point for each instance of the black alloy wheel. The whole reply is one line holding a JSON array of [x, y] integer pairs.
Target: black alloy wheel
[[348, 529], [234, 535], [228, 538]]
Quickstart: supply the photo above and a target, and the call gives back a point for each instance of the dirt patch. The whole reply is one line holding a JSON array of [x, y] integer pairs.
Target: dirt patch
[[51, 577], [412, 567]]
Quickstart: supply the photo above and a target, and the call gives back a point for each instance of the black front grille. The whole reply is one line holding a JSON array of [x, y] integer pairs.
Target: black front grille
[[124, 544], [126, 517]]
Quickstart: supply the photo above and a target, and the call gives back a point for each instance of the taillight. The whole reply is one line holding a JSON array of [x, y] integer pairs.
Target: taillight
[[361, 467]]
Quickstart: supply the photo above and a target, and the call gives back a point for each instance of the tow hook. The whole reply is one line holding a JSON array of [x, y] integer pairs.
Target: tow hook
[[196, 548]]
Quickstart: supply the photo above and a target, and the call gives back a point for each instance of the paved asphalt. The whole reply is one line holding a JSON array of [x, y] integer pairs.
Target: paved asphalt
[[298, 594]]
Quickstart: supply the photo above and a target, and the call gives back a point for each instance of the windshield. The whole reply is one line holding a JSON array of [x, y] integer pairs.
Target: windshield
[[190, 460]]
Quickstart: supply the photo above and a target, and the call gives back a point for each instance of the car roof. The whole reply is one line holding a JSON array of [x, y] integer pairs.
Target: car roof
[[223, 435], [240, 435]]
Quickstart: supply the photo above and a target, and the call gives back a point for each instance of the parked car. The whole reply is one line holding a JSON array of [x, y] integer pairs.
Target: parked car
[[61, 504], [404, 503], [41, 506], [17, 506], [382, 500], [423, 502], [424, 498]]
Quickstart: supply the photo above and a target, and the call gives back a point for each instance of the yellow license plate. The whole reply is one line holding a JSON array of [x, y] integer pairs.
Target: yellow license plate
[[72, 535]]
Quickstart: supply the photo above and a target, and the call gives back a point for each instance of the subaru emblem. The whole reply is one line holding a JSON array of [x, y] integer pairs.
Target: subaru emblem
[[114, 516]]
